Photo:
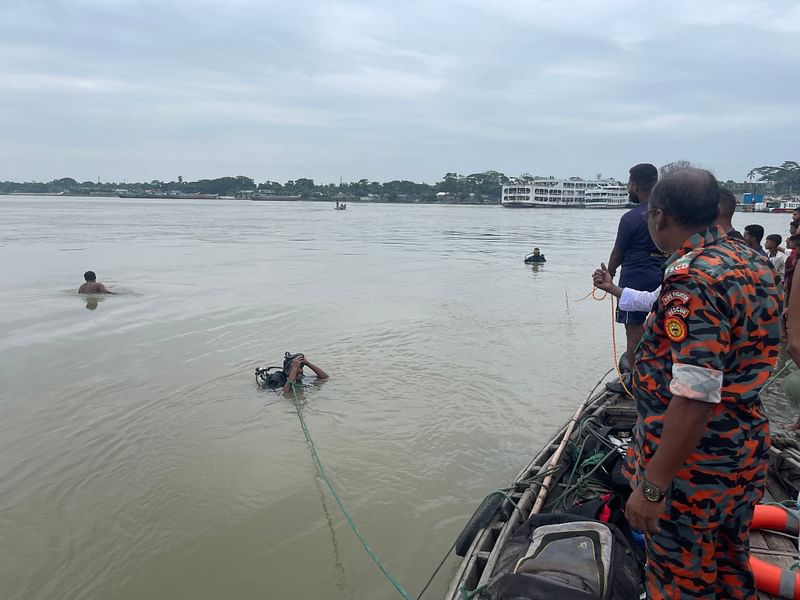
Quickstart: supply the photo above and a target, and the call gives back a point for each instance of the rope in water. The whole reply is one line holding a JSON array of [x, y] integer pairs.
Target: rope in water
[[593, 295], [396, 584]]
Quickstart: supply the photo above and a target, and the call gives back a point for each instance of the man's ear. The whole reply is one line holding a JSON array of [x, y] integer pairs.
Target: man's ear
[[661, 219]]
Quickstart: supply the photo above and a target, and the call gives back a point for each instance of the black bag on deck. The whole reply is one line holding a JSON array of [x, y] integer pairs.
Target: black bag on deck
[[566, 557]]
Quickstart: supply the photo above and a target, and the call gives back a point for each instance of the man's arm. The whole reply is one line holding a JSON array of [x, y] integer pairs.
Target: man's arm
[[317, 371], [615, 260], [620, 246], [103, 289], [684, 424]]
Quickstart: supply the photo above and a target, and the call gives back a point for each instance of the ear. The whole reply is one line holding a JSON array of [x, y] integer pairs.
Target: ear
[[661, 220]]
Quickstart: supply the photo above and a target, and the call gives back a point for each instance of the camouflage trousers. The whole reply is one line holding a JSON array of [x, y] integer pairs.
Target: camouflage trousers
[[709, 562]]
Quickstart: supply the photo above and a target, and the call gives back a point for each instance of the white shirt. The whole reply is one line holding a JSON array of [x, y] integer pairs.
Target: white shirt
[[638, 300], [779, 262]]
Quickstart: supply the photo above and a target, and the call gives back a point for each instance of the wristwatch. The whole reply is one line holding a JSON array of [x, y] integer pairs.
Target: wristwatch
[[651, 492]]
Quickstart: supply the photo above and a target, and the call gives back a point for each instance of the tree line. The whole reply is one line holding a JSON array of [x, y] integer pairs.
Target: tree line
[[476, 187]]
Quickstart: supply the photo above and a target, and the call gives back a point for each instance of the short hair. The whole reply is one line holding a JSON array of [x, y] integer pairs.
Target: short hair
[[644, 175], [727, 203], [691, 196], [757, 231], [774, 237], [90, 276]]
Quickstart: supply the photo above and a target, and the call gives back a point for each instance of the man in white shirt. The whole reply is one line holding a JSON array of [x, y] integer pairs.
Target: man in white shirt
[[776, 256]]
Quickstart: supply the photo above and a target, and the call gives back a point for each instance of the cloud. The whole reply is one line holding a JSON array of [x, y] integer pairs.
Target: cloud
[[385, 90]]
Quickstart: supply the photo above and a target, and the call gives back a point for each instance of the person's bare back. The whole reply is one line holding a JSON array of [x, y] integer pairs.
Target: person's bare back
[[92, 286]]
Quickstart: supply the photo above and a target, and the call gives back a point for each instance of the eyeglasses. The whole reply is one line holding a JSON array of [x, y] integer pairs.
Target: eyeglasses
[[646, 213]]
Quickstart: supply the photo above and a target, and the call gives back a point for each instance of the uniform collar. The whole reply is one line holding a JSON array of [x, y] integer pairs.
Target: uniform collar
[[701, 239]]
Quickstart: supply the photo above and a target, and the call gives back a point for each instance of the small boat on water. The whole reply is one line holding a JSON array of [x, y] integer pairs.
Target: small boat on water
[[561, 477]]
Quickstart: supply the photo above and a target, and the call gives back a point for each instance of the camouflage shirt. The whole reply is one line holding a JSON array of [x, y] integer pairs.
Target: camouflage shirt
[[713, 337]]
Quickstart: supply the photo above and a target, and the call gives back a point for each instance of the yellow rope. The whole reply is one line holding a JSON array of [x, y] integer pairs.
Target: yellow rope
[[593, 295], [614, 351]]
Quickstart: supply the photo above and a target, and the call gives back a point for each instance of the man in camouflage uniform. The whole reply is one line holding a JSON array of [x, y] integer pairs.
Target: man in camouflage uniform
[[699, 456]]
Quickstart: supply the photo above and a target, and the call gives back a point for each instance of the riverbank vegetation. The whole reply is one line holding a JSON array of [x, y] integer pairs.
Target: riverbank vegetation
[[476, 188]]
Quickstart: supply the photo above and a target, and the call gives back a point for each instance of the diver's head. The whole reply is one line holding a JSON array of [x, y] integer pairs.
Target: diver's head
[[536, 251], [288, 359], [90, 276]]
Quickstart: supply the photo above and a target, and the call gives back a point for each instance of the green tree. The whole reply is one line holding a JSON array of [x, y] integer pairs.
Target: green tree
[[785, 178]]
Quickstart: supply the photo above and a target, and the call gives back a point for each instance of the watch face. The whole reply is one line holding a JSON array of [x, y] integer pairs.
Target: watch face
[[652, 493]]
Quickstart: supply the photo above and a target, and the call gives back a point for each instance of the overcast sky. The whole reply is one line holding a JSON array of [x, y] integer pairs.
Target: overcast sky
[[153, 89]]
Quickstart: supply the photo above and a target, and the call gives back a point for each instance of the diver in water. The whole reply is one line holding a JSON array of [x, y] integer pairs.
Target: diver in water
[[295, 374], [290, 374], [536, 257]]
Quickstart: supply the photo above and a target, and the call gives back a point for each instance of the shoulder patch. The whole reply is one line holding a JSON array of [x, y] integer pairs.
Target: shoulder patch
[[675, 296], [675, 327], [680, 265], [680, 311]]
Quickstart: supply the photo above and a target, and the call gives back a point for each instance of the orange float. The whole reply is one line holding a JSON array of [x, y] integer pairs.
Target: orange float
[[771, 578]]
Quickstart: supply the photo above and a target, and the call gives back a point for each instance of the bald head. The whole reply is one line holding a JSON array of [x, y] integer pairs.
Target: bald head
[[690, 196]]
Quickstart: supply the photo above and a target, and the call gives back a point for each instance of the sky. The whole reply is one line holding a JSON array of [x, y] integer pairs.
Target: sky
[[137, 90]]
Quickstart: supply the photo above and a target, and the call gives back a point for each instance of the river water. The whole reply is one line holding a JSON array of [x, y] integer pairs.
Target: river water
[[139, 460]]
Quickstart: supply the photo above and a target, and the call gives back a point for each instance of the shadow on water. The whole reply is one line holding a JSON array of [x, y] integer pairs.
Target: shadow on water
[[338, 565], [93, 301], [341, 577]]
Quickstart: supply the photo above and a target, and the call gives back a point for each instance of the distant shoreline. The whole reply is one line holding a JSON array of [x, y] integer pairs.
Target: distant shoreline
[[346, 200]]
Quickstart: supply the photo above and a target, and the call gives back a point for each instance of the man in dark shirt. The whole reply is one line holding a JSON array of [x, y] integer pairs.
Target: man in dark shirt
[[635, 251], [753, 234]]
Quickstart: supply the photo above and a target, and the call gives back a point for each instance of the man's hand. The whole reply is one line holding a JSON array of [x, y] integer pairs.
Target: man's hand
[[297, 366], [643, 514], [602, 279]]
